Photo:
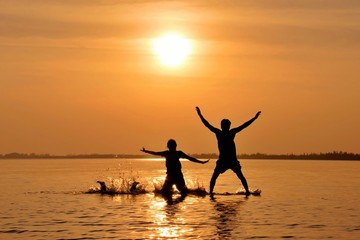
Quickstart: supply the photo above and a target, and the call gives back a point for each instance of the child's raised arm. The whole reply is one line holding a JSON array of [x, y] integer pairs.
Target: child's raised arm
[[205, 122], [245, 125]]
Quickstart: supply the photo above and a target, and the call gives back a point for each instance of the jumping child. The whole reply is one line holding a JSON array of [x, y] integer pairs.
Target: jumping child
[[227, 149]]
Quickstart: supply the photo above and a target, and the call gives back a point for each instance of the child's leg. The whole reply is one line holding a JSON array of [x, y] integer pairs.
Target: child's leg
[[213, 180], [181, 186], [167, 187], [242, 178]]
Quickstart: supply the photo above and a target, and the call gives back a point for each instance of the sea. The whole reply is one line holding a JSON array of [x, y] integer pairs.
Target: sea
[[60, 199]]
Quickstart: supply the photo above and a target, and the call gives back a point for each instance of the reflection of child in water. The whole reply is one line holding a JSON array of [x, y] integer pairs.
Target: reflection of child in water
[[173, 167]]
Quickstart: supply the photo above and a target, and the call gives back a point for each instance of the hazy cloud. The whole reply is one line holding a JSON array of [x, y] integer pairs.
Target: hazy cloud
[[32, 26]]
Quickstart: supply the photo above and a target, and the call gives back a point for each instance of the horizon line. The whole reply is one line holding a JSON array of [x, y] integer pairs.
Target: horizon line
[[340, 155]]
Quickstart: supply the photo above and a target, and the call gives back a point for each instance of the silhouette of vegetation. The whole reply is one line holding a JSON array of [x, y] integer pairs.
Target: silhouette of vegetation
[[335, 155], [68, 156]]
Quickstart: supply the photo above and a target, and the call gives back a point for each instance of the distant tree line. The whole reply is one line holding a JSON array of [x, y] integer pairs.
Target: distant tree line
[[311, 156], [335, 155], [70, 156]]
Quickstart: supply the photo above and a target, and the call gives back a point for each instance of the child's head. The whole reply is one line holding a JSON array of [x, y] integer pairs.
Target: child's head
[[171, 144], [225, 124]]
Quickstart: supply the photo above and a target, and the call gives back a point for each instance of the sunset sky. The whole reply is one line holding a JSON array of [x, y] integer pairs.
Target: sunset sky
[[81, 76]]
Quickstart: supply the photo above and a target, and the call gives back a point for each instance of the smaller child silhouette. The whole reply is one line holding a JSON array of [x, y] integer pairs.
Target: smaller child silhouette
[[173, 167]]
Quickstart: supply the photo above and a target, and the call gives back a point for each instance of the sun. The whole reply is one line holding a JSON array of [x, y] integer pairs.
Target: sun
[[172, 49]]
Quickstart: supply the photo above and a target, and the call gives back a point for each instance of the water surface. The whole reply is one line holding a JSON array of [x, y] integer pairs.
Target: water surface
[[45, 199]]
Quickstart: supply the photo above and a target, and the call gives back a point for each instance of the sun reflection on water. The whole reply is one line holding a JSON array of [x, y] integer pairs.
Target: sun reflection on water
[[169, 219]]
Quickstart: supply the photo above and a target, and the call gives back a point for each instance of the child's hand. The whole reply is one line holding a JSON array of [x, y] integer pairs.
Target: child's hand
[[203, 162], [198, 110], [143, 149]]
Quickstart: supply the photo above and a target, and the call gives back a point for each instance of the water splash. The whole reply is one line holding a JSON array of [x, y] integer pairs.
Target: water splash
[[242, 191], [158, 184], [121, 185], [131, 185], [194, 187]]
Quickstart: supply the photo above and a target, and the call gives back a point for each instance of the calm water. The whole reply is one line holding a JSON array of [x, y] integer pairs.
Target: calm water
[[45, 199]]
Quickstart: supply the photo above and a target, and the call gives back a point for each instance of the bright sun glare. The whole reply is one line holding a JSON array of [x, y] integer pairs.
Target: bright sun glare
[[172, 49]]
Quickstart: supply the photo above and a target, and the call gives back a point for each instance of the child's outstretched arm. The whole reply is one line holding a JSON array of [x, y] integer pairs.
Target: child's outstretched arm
[[151, 152], [193, 159], [205, 122], [246, 124]]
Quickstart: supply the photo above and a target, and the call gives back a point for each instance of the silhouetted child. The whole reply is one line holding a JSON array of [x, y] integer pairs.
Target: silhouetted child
[[227, 149], [173, 167]]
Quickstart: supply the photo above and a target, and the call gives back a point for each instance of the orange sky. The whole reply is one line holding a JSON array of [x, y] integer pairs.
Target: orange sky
[[80, 76]]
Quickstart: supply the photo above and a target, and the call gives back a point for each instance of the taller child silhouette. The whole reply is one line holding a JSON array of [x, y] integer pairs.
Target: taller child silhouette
[[227, 150]]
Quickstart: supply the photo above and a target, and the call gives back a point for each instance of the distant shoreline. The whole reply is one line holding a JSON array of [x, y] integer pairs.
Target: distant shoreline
[[305, 156]]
